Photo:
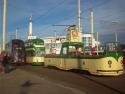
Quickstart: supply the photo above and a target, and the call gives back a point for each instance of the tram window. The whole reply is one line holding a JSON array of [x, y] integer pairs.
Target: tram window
[[79, 49], [41, 43], [72, 49], [65, 50], [38, 53], [29, 53], [46, 45], [42, 52], [34, 53], [25, 45]]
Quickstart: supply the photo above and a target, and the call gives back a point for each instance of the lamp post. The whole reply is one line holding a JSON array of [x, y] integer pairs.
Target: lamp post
[[92, 26], [115, 23], [79, 21], [4, 26], [97, 43], [116, 39]]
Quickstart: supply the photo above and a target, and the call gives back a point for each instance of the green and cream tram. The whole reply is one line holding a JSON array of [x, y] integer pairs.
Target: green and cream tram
[[72, 56], [35, 51]]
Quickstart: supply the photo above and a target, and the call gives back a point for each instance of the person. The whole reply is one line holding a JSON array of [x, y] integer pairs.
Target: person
[[79, 51], [6, 63], [2, 67]]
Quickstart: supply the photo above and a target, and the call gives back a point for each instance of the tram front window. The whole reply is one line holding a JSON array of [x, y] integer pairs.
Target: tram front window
[[39, 53], [72, 49], [75, 50]]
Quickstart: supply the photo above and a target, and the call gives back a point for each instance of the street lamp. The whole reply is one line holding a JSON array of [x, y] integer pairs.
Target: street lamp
[[4, 26]]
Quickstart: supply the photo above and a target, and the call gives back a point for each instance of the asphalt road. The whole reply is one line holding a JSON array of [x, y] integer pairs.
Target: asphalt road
[[80, 81], [21, 82]]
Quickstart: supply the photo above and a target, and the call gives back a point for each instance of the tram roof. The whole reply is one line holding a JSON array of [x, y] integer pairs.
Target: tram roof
[[72, 43], [35, 40], [15, 41]]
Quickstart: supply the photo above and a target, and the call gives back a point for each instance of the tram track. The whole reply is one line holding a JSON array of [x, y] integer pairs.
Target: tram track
[[102, 84], [79, 81]]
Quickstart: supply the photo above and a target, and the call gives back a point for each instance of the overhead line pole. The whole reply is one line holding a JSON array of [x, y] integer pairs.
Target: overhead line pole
[[79, 20], [97, 43], [92, 26], [79, 16], [116, 39], [4, 26]]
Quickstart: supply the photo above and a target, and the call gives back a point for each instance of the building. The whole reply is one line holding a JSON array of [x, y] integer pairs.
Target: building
[[53, 44], [87, 40]]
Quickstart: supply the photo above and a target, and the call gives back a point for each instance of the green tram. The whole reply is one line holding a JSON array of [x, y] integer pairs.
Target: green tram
[[73, 56], [35, 51]]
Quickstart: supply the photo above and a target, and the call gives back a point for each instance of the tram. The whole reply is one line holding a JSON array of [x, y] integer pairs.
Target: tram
[[72, 56], [16, 50], [35, 51], [122, 49]]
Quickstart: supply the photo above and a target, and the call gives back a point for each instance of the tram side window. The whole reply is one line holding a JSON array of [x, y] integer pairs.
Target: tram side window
[[65, 51], [72, 50], [47, 46], [37, 53], [29, 53]]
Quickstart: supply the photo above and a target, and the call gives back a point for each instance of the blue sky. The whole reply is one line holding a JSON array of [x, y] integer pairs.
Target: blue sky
[[108, 17]]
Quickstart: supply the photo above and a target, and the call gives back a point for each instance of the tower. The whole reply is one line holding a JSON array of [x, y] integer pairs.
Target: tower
[[30, 28]]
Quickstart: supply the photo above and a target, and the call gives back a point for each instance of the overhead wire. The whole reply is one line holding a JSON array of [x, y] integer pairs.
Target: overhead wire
[[72, 16], [68, 18], [43, 14], [50, 10]]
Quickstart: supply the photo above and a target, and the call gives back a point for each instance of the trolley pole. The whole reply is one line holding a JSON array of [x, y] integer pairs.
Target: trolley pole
[[79, 20], [92, 26], [116, 39], [79, 16], [4, 26], [97, 43]]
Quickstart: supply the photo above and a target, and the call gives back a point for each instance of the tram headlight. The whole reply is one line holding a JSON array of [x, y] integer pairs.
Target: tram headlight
[[109, 62]]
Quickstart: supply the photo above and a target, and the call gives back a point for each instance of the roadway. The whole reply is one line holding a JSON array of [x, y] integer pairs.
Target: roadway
[[83, 82]]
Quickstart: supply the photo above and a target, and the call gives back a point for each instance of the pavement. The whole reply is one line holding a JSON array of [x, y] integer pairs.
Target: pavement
[[21, 82]]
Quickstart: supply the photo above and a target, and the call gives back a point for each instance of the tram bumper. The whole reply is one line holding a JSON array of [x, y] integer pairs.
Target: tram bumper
[[110, 72]]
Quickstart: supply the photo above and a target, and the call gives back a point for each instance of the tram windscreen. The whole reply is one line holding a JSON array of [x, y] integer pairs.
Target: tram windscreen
[[39, 52], [75, 49]]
